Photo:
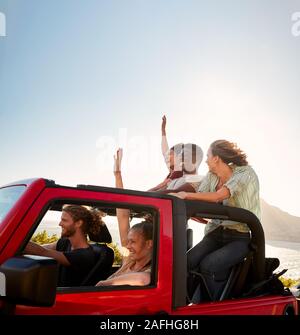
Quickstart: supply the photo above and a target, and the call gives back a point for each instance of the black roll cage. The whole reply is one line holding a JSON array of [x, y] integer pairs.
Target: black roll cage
[[186, 209]]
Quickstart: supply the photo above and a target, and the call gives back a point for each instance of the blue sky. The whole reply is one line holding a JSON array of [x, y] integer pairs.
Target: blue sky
[[80, 78]]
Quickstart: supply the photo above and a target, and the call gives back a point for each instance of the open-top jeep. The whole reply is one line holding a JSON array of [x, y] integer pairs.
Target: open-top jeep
[[28, 284]]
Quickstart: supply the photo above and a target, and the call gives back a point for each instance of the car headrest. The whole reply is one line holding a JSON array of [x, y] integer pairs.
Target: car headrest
[[271, 264], [103, 237]]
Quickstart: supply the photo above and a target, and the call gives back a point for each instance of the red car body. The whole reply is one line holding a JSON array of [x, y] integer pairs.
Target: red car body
[[161, 297]]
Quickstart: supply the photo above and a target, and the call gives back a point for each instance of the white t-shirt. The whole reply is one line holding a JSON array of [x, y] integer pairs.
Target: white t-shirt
[[193, 179]]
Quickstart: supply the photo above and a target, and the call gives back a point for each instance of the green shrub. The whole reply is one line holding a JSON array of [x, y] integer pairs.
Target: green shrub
[[44, 238], [289, 282], [118, 256]]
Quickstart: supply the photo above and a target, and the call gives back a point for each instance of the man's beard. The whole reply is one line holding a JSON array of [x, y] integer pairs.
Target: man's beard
[[68, 232]]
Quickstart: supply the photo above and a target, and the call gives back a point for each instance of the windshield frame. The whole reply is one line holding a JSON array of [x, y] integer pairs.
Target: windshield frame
[[9, 196]]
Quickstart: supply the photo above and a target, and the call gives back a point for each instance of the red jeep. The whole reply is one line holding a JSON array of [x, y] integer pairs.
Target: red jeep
[[28, 283]]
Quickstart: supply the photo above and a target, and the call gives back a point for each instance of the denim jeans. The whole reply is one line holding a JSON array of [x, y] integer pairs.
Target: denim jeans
[[214, 256]]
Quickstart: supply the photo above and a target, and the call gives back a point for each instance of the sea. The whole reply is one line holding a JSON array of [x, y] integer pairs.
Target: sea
[[288, 254]]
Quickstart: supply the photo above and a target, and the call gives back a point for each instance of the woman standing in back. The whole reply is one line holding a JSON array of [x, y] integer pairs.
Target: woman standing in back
[[232, 182]]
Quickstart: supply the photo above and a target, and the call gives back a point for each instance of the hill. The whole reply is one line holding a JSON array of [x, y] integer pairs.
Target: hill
[[279, 225]]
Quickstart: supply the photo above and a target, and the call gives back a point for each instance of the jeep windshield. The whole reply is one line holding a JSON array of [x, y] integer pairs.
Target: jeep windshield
[[8, 197]]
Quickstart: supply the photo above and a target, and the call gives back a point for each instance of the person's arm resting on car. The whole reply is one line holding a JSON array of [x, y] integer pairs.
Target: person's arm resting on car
[[222, 194], [187, 187], [133, 278], [36, 249]]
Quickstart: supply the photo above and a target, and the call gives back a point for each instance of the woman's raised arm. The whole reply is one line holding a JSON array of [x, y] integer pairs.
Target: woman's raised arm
[[122, 214]]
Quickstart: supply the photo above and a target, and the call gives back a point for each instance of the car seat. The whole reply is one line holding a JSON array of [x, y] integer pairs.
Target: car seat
[[104, 257], [102, 269], [231, 287]]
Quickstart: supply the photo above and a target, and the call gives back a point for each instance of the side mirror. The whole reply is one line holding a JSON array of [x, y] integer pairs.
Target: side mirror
[[29, 280]]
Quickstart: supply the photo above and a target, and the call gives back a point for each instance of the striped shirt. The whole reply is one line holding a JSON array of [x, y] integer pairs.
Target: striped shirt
[[243, 186]]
